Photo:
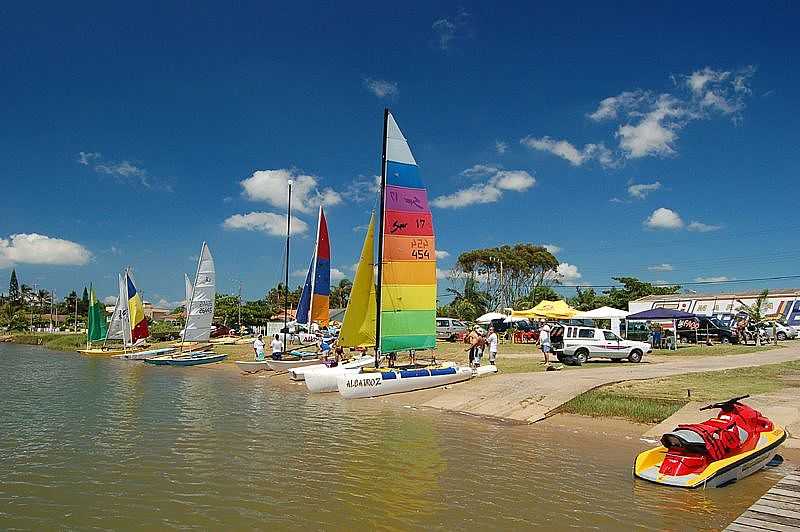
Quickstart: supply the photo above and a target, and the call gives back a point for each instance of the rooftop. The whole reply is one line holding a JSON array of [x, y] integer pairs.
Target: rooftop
[[778, 292]]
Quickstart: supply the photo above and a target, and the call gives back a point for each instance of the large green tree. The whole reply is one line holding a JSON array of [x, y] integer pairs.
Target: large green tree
[[633, 288], [340, 294], [588, 299], [13, 290], [506, 274]]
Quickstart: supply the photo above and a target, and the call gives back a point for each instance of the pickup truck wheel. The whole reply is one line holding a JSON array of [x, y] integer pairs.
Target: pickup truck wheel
[[635, 356], [581, 356], [781, 336], [725, 340]]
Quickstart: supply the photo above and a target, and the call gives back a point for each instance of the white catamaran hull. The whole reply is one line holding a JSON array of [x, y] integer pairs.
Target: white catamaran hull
[[324, 379], [299, 374], [359, 385]]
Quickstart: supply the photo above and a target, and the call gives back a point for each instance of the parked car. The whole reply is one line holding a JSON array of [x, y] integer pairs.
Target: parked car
[[449, 329], [703, 328], [501, 326], [782, 332], [584, 343], [222, 330]]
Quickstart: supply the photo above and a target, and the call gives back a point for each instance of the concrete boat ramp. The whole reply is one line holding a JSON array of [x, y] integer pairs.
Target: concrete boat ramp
[[531, 397]]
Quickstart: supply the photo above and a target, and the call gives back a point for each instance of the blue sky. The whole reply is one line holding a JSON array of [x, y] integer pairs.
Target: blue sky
[[659, 142]]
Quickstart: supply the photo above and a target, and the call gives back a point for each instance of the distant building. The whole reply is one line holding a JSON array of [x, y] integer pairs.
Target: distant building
[[783, 302], [150, 312]]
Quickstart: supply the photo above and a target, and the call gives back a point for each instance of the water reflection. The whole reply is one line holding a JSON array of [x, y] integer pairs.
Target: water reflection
[[113, 444]]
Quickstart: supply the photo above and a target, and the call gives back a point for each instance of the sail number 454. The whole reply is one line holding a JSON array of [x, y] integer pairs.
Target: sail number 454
[[420, 248]]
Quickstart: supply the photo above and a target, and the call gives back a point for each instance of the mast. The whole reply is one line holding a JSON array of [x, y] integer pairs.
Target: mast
[[286, 277], [314, 272], [127, 321], [381, 214], [189, 308]]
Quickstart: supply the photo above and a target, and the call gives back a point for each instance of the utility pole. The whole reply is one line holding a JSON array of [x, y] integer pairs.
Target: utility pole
[[76, 312], [52, 299], [33, 299]]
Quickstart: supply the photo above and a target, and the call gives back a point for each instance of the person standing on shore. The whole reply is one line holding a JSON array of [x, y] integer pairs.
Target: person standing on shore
[[277, 348], [493, 342], [544, 343], [258, 347]]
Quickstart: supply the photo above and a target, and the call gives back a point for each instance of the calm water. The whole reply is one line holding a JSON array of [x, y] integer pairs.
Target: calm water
[[117, 445]]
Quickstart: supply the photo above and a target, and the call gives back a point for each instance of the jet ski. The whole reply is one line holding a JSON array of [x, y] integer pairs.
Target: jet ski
[[724, 449]]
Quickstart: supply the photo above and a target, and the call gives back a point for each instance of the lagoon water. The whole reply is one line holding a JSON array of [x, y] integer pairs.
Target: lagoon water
[[106, 444]]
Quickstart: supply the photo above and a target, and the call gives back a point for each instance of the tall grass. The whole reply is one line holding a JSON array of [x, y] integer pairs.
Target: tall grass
[[58, 342], [597, 403]]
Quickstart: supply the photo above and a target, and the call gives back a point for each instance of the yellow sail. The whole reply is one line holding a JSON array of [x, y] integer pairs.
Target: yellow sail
[[358, 329]]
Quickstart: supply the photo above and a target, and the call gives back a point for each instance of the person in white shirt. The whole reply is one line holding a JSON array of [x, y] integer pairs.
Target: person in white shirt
[[544, 342], [277, 348], [493, 341], [258, 348]]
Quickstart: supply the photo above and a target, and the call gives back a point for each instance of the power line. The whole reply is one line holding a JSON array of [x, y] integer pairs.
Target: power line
[[689, 283]]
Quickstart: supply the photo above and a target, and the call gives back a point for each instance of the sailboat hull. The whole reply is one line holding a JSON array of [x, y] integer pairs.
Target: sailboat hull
[[252, 366], [106, 352], [324, 379], [361, 385], [282, 366]]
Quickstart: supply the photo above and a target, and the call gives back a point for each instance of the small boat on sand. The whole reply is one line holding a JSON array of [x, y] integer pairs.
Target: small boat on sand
[[144, 355], [299, 359], [252, 366], [386, 382], [191, 359]]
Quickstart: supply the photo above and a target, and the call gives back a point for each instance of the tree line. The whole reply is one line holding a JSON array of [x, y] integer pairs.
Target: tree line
[[520, 276]]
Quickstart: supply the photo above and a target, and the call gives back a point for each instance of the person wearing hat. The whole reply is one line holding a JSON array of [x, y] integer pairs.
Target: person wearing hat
[[258, 347]]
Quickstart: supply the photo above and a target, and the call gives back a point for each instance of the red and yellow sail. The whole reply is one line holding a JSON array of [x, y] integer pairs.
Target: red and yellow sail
[[135, 311]]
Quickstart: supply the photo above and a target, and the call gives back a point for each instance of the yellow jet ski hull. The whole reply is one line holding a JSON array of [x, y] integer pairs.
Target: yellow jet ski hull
[[717, 473]]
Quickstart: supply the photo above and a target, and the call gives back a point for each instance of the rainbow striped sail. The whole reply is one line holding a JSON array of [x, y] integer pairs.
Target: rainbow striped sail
[[407, 274], [314, 303], [138, 322]]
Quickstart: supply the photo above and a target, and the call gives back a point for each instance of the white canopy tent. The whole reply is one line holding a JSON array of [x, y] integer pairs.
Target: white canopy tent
[[604, 313], [490, 316]]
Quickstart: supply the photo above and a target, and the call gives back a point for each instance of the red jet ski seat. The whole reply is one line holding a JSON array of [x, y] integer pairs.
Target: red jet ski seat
[[716, 438]]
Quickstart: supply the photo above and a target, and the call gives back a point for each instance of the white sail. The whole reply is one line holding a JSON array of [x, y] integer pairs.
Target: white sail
[[120, 327], [200, 311], [188, 283]]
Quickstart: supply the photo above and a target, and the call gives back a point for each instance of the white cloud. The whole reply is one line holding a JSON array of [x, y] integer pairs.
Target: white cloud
[[441, 254], [337, 275], [86, 157], [664, 218], [381, 87], [552, 248], [480, 170], [474, 195], [565, 273], [110, 300], [443, 274], [447, 29], [567, 151], [271, 186], [700, 227], [500, 146], [655, 133], [663, 267], [611, 107], [33, 248], [122, 171], [489, 191], [363, 189], [266, 222], [721, 90], [713, 279], [641, 190]]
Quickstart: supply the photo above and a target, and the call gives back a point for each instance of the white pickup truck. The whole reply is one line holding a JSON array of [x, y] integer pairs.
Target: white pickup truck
[[584, 343]]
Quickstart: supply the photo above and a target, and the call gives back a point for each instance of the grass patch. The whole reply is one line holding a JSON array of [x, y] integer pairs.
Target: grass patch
[[653, 400], [715, 350], [57, 342], [599, 403]]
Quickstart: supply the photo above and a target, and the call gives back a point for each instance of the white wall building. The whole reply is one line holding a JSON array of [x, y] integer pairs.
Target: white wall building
[[785, 302]]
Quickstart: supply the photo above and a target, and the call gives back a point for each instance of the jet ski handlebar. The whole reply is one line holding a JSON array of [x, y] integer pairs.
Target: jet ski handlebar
[[725, 405]]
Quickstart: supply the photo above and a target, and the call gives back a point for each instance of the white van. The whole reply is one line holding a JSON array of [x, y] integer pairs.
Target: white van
[[584, 343], [449, 328]]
